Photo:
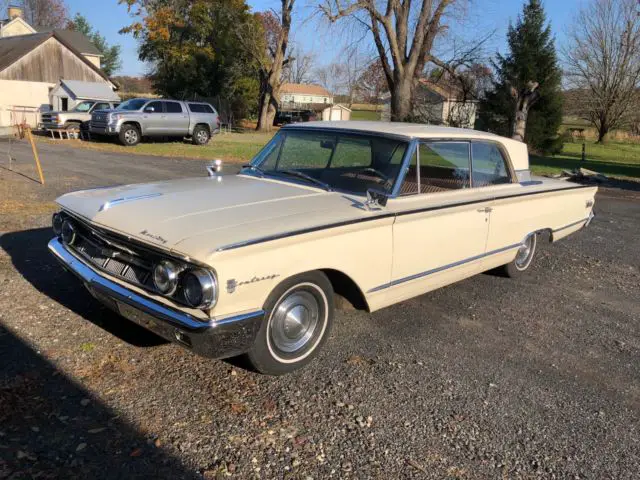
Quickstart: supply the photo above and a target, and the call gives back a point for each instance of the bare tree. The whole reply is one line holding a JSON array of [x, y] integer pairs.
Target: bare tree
[[602, 60], [330, 77], [266, 41], [372, 82], [404, 38], [299, 67], [41, 13]]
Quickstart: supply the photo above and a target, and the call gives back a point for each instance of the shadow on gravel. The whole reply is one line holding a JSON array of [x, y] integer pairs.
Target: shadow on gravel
[[31, 258], [51, 428]]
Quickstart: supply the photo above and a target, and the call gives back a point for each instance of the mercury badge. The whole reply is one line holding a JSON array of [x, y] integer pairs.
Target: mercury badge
[[232, 284]]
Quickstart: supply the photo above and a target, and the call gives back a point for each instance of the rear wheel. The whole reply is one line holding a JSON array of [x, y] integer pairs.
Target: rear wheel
[[129, 135], [298, 318], [524, 257], [201, 135]]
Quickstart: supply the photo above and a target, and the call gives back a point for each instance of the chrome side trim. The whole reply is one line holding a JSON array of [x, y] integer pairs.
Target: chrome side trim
[[279, 236], [587, 220], [444, 267]]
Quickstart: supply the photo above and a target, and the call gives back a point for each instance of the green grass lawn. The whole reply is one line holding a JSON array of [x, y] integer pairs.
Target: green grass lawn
[[365, 115], [231, 147], [614, 159]]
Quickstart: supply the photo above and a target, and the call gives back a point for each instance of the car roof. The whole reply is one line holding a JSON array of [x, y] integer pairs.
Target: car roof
[[517, 150], [409, 130]]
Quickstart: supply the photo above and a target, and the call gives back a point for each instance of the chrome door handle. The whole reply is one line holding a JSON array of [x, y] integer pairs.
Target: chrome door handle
[[485, 210]]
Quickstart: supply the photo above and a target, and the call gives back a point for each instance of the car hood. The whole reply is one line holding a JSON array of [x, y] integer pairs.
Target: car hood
[[198, 216]]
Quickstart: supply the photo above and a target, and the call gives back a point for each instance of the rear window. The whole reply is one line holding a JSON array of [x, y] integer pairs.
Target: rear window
[[201, 108], [173, 107]]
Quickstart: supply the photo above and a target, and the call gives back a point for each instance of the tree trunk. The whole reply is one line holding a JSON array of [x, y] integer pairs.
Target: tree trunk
[[263, 113], [520, 125], [602, 134], [525, 98], [401, 95]]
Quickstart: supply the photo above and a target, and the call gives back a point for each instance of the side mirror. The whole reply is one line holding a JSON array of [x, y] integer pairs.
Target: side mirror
[[376, 199], [149, 109]]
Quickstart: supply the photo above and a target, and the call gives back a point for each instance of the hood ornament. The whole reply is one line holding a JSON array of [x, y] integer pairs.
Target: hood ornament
[[215, 168]]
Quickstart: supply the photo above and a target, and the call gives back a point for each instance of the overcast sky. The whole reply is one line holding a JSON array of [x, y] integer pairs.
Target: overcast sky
[[325, 42]]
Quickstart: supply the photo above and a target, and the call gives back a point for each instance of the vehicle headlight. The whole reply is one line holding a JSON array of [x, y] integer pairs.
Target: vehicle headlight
[[165, 277], [114, 117], [56, 222], [200, 288], [68, 232]]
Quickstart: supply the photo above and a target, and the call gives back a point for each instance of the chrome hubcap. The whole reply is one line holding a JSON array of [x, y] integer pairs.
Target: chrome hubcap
[[525, 252], [202, 136], [294, 321], [130, 136]]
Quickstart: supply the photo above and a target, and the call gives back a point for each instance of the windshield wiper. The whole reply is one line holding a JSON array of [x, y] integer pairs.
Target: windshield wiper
[[296, 173]]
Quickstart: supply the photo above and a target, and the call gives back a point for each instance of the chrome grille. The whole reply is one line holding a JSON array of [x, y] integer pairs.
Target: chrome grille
[[99, 120], [136, 270]]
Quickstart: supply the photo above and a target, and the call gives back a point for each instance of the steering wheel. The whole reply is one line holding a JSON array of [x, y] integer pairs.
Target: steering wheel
[[375, 172]]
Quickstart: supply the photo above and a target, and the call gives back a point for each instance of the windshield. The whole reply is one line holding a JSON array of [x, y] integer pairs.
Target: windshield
[[133, 104], [83, 106], [341, 161]]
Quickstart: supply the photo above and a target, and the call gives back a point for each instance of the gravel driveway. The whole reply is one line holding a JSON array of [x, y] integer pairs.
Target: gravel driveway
[[489, 378]]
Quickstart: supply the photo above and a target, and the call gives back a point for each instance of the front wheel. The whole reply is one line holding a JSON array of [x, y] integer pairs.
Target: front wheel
[[298, 319], [524, 257], [129, 135]]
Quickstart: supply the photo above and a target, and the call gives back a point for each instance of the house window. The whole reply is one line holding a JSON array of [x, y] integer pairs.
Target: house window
[[64, 104]]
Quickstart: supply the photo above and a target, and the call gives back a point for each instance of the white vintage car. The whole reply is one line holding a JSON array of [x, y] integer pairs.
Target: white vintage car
[[372, 212]]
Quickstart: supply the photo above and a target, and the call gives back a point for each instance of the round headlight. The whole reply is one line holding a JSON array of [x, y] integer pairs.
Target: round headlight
[[200, 288], [56, 223], [165, 277], [68, 232]]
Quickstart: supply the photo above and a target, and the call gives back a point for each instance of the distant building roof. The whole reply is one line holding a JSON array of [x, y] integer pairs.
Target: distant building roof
[[446, 90], [77, 40], [304, 89], [90, 90], [14, 48]]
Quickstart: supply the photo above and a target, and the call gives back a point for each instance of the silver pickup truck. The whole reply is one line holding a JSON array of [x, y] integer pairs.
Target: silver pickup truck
[[73, 119], [144, 117]]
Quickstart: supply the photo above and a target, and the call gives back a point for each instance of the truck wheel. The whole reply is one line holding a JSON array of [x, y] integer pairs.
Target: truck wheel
[[298, 319], [129, 135], [200, 135], [523, 259], [73, 126]]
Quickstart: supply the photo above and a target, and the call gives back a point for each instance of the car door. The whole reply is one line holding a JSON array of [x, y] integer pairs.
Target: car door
[[152, 118], [441, 225], [177, 120]]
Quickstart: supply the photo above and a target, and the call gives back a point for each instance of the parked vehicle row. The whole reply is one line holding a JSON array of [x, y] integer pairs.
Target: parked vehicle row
[[134, 119], [143, 117]]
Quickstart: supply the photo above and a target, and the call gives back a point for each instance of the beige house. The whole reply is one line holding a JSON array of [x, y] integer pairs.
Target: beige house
[[438, 104], [303, 94], [33, 63]]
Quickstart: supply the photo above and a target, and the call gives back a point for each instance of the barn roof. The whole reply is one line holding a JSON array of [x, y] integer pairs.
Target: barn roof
[[14, 48], [77, 40]]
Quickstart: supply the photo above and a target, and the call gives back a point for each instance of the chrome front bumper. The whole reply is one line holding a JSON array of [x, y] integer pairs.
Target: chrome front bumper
[[216, 339]]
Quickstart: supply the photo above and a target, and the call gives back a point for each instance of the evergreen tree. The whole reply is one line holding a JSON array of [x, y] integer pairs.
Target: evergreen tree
[[110, 62], [531, 58]]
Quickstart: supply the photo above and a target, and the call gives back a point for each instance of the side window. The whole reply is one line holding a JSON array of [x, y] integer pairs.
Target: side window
[[173, 107], [195, 107], [352, 152], [489, 166], [102, 106], [153, 107]]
